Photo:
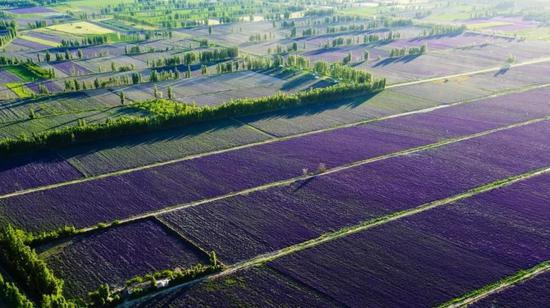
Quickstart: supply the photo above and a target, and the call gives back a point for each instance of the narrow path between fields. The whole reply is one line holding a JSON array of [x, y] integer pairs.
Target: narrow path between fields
[[343, 232], [499, 286], [273, 140], [477, 72], [341, 168]]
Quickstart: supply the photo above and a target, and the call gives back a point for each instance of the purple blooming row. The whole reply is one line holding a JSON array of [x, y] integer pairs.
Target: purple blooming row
[[432, 257], [214, 175], [115, 255], [245, 226], [34, 170]]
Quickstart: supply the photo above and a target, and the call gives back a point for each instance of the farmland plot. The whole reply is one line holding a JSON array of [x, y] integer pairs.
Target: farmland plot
[[255, 287], [271, 219], [60, 104], [434, 256], [161, 146], [31, 171], [218, 89], [397, 100], [115, 255], [15, 128], [186, 181], [70, 68], [531, 293]]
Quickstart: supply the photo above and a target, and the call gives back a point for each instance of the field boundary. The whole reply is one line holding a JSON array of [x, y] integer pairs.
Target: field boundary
[[501, 285], [249, 145], [289, 181], [349, 230], [477, 72]]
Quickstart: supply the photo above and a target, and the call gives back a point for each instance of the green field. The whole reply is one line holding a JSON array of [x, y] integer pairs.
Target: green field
[[19, 89]]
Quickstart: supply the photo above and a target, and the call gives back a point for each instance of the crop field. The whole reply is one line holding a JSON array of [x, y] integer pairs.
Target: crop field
[[431, 257], [531, 293], [93, 209], [219, 89], [81, 28], [87, 261], [246, 287], [273, 154], [380, 181]]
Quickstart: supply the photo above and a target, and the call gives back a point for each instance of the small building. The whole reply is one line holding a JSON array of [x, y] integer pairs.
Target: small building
[[162, 283]]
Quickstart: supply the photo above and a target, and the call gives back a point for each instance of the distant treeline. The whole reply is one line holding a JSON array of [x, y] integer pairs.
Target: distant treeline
[[412, 51], [436, 29], [191, 57]]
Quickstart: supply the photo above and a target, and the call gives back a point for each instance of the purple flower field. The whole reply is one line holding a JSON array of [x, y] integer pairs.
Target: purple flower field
[[196, 179], [272, 219], [34, 171], [434, 256], [71, 68], [50, 85], [255, 287], [118, 254], [29, 44], [531, 293], [32, 10], [448, 42], [6, 76]]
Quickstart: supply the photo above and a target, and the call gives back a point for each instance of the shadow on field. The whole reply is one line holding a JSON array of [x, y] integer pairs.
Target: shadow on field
[[437, 36], [301, 184], [388, 61], [178, 133], [348, 103]]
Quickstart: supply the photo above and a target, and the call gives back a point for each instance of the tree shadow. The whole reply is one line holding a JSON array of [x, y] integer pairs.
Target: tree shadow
[[394, 60]]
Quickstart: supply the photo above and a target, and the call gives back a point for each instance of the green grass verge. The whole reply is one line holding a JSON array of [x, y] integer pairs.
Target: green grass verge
[[20, 89], [22, 72], [506, 281]]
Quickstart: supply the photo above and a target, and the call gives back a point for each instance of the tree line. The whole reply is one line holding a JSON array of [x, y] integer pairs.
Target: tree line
[[30, 271], [128, 125]]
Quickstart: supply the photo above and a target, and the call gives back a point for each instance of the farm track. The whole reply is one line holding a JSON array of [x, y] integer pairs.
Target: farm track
[[268, 141], [477, 72], [341, 168], [500, 286], [349, 230]]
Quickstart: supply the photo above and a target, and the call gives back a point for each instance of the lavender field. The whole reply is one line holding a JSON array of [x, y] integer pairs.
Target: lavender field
[[349, 197], [29, 172], [531, 293], [185, 181], [274, 154], [118, 254], [254, 287], [431, 257]]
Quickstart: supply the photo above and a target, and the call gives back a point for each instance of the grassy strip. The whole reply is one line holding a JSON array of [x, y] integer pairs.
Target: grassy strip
[[174, 116], [369, 224], [516, 278], [327, 237], [20, 89], [140, 286]]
